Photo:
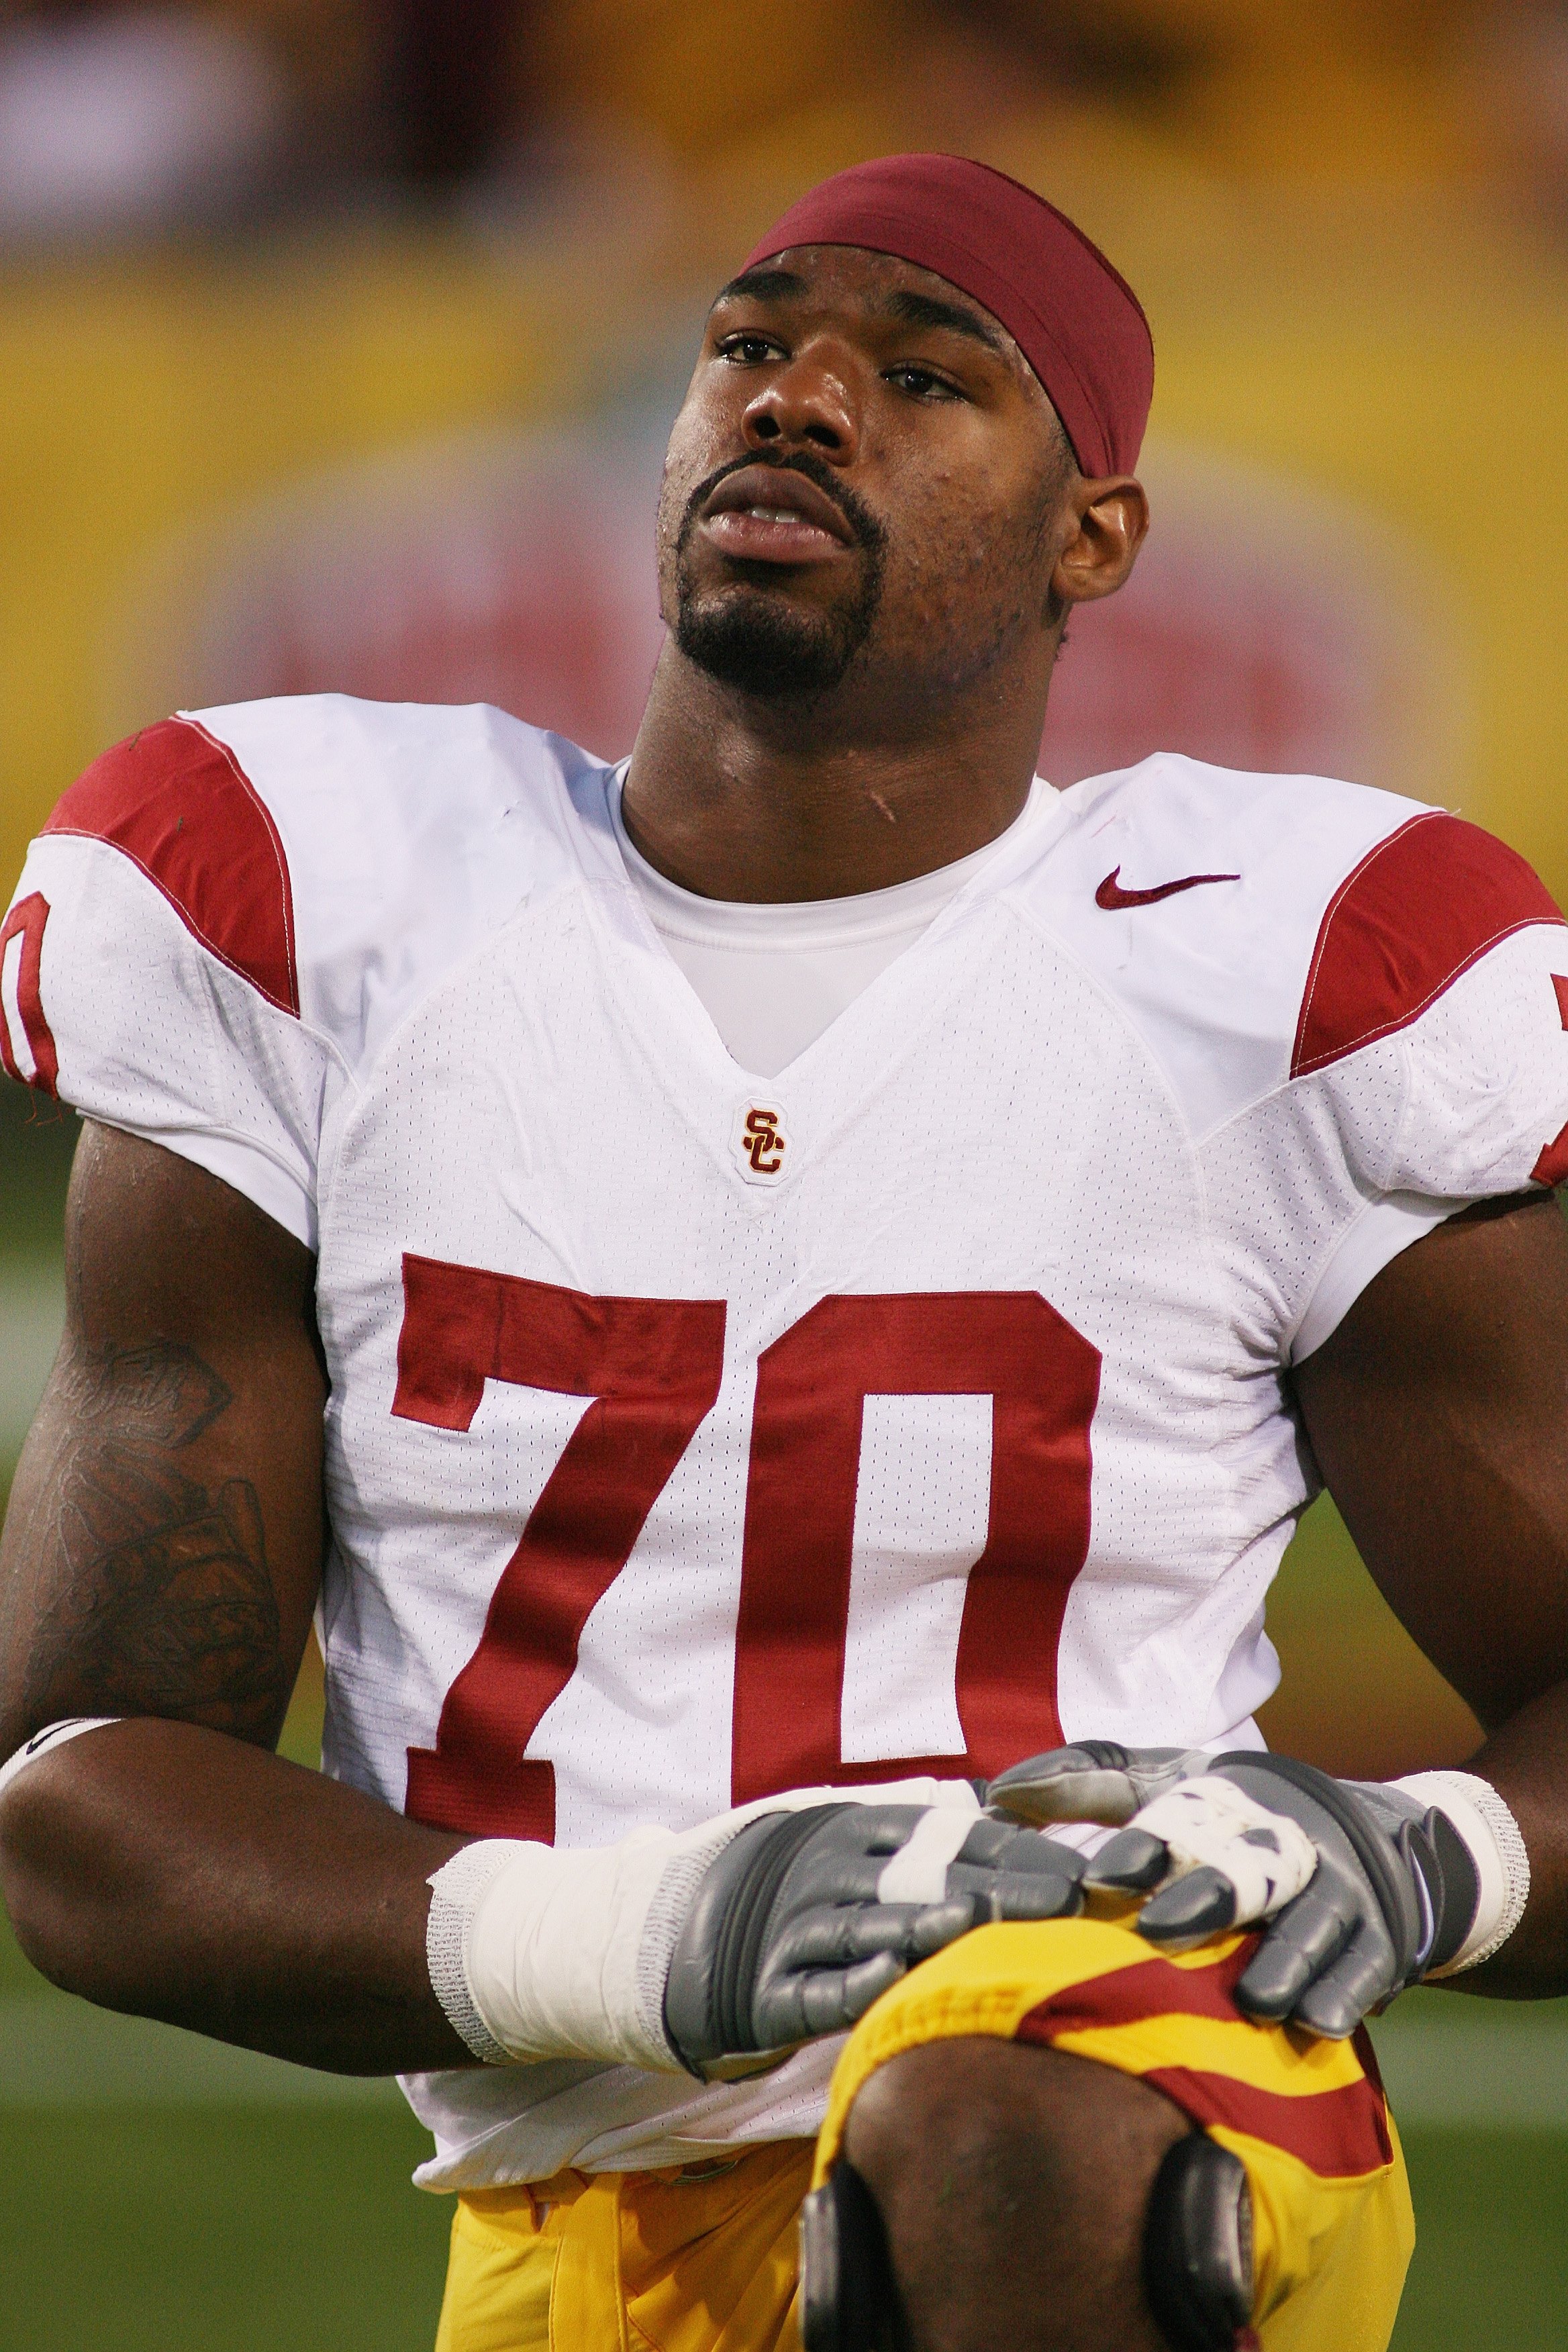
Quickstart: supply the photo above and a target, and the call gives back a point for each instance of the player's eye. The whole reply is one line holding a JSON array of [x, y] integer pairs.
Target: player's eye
[[747, 348], [919, 382]]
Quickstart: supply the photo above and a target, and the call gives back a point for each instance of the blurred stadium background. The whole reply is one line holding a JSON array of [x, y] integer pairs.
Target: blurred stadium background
[[337, 343]]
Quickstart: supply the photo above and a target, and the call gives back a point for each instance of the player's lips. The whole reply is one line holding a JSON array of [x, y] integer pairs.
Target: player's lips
[[770, 514]]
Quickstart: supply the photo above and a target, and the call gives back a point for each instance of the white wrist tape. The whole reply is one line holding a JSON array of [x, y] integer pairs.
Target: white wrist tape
[[456, 1892], [1209, 1823], [1489, 1829], [534, 1950], [45, 1742], [540, 1951]]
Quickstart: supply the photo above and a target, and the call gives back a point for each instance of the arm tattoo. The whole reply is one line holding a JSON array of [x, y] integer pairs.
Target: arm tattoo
[[166, 1606]]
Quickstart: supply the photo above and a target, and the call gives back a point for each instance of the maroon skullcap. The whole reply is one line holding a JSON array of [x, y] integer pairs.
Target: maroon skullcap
[[1075, 320]]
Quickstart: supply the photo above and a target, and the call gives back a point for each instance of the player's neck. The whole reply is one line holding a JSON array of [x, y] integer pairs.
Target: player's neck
[[756, 802]]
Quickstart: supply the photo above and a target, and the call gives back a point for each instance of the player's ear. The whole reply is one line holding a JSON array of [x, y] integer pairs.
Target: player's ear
[[1112, 522]]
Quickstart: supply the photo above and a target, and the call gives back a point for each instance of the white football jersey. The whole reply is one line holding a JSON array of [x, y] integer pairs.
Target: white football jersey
[[693, 1436]]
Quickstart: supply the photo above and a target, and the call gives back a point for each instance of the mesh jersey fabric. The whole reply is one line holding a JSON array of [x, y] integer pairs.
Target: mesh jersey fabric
[[964, 1369]]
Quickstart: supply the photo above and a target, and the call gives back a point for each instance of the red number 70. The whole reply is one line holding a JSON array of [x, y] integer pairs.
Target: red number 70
[[653, 1367]]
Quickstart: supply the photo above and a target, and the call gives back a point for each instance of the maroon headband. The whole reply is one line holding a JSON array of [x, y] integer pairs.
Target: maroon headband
[[1078, 323]]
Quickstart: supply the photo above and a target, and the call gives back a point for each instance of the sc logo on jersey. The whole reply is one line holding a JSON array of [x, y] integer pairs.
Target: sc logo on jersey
[[760, 1143]]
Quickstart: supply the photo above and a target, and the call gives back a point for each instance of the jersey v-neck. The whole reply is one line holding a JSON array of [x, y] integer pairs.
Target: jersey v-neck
[[773, 978]]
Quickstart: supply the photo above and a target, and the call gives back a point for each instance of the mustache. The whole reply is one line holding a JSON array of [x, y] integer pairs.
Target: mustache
[[867, 530]]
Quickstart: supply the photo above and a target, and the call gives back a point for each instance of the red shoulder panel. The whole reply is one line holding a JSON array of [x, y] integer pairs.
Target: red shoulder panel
[[1417, 911], [177, 801]]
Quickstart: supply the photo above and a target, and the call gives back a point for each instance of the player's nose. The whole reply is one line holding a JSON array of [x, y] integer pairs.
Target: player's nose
[[805, 400]]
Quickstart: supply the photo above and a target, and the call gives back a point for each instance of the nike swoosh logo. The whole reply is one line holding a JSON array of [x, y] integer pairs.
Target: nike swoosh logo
[[50, 1731], [1111, 895]]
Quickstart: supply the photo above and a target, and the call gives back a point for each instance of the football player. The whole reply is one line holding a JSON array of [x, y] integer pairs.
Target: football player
[[779, 1303]]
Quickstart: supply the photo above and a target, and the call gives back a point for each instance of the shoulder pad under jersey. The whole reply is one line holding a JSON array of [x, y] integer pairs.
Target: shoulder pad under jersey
[[337, 854], [1258, 929]]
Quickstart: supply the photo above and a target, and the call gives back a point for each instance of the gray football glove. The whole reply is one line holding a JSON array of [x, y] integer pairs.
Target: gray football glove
[[807, 1917], [1391, 1896]]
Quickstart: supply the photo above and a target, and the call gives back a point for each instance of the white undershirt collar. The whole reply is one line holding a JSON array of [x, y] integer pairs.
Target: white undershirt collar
[[773, 978], [744, 924]]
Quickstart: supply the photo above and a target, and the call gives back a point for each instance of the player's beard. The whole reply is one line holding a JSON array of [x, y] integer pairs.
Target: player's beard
[[750, 634]]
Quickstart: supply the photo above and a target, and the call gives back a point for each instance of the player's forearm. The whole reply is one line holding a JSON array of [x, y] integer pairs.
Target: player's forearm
[[173, 1871], [1526, 1761], [164, 1869]]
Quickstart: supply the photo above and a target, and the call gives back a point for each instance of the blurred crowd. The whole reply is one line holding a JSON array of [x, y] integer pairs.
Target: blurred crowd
[[121, 119]]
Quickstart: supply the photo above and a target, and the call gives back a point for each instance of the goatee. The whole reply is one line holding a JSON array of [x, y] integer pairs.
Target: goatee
[[750, 634]]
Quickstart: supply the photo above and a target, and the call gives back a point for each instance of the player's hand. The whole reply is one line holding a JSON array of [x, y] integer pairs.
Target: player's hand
[[1352, 1880], [807, 1917]]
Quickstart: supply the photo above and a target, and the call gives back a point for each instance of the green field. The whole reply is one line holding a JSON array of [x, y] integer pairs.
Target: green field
[[227, 2230], [161, 2194]]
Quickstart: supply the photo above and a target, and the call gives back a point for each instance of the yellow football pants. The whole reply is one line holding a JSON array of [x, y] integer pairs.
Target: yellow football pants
[[703, 2260]]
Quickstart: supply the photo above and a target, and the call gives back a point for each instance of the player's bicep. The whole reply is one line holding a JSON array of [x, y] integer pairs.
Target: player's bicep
[[162, 1550], [1438, 1414]]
